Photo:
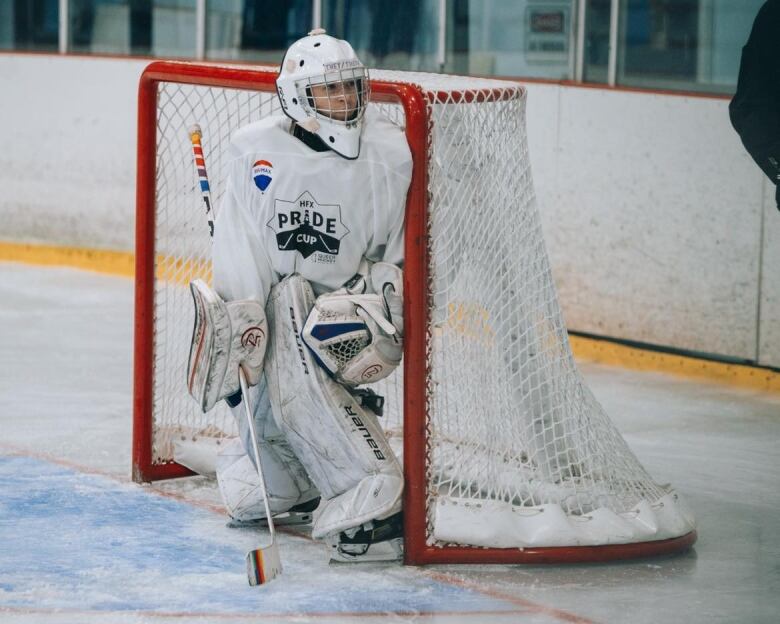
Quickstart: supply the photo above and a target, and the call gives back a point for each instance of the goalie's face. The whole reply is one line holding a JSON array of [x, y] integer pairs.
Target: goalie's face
[[340, 95], [337, 100]]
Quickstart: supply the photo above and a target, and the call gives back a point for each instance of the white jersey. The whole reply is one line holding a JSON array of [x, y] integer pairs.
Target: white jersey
[[290, 209]]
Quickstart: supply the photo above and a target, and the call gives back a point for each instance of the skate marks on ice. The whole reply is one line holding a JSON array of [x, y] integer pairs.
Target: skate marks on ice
[[77, 546]]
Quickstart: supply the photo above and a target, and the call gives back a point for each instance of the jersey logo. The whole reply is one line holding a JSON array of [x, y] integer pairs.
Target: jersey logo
[[261, 172], [306, 226]]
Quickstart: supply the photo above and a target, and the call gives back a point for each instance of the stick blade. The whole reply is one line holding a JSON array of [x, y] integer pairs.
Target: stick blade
[[263, 565]]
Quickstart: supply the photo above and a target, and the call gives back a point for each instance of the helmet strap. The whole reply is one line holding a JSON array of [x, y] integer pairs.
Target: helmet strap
[[310, 139]]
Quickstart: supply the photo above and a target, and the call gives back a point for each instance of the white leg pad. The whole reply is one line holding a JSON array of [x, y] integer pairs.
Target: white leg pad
[[239, 483], [341, 444], [374, 498], [285, 477]]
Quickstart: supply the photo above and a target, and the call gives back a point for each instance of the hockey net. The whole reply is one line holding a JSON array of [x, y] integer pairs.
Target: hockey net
[[507, 454]]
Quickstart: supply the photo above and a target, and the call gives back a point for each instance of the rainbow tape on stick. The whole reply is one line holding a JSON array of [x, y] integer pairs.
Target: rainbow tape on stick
[[196, 135]]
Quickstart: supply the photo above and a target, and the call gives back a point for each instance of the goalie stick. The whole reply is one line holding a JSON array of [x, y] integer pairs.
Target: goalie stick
[[200, 167], [262, 564]]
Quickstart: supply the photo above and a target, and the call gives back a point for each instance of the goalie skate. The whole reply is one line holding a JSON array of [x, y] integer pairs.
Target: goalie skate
[[300, 514], [379, 540]]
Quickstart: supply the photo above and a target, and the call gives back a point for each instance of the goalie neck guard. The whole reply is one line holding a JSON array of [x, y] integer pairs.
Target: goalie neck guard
[[324, 88]]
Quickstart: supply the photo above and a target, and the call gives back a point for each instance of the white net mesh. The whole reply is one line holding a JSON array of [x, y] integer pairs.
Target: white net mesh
[[516, 439]]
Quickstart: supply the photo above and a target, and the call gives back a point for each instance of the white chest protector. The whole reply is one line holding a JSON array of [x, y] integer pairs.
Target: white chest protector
[[290, 209]]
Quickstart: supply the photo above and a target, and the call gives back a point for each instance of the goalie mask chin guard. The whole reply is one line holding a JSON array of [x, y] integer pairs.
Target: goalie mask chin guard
[[324, 88]]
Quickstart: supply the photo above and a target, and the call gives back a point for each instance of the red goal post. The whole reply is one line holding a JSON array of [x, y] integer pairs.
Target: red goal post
[[421, 338]]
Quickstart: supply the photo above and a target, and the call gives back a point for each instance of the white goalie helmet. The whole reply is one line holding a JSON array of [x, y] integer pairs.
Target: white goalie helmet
[[324, 88]]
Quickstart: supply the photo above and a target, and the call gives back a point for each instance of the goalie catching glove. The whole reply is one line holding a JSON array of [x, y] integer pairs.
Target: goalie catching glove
[[358, 336], [225, 336]]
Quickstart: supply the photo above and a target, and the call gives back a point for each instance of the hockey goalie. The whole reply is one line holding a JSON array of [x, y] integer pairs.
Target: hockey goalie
[[308, 300]]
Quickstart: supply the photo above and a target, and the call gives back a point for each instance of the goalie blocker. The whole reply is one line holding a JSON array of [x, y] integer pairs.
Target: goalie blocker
[[225, 336]]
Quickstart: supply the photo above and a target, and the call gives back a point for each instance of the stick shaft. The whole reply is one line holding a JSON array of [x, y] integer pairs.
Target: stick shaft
[[256, 451]]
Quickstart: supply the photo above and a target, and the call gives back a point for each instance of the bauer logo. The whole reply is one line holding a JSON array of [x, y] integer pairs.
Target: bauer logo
[[308, 227], [262, 171]]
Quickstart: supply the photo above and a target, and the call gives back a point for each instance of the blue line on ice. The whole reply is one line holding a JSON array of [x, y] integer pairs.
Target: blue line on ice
[[75, 541]]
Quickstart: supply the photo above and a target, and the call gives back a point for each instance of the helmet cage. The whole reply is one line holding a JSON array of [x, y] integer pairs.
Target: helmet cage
[[332, 107]]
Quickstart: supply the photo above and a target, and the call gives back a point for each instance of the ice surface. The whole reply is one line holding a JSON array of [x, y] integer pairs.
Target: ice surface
[[80, 543]]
